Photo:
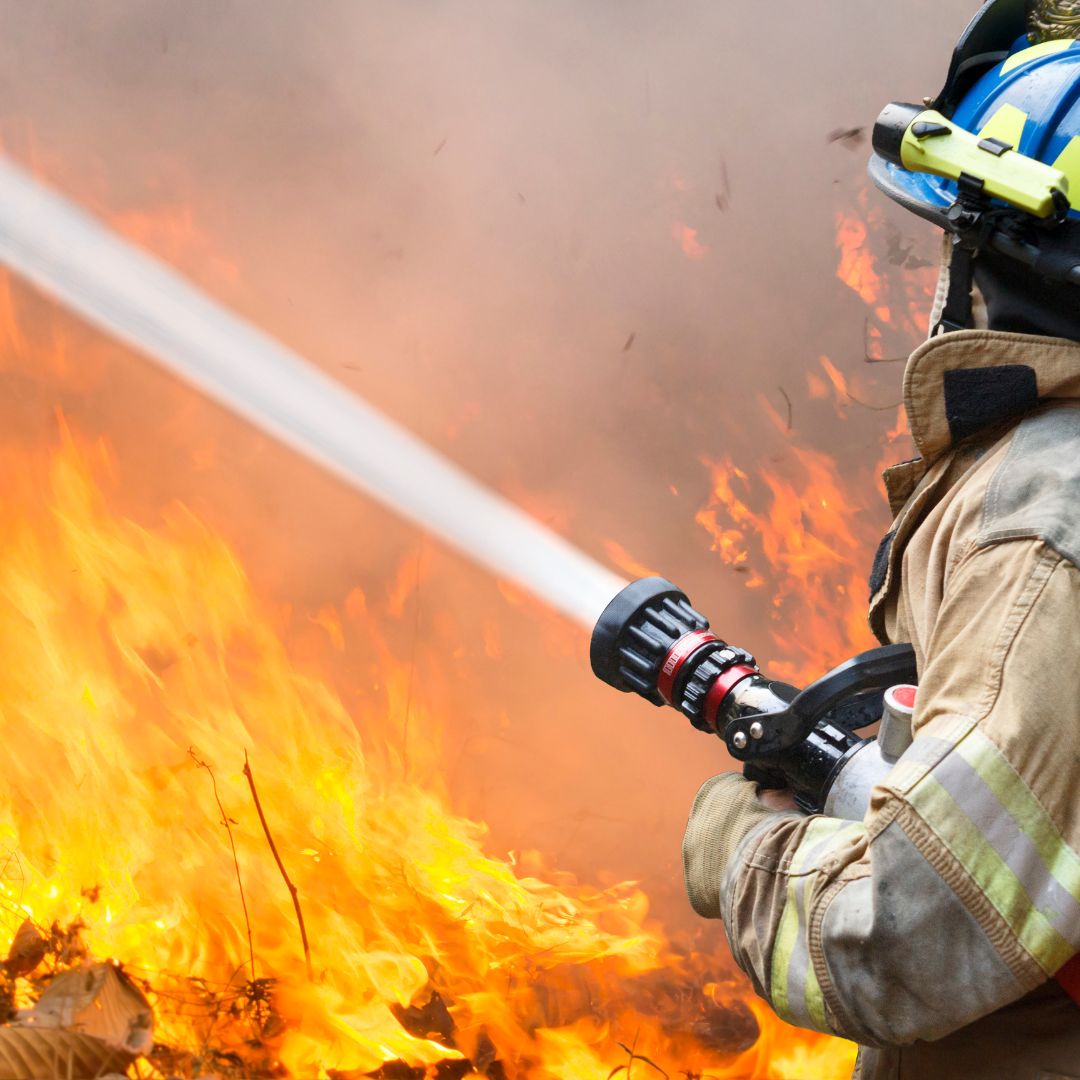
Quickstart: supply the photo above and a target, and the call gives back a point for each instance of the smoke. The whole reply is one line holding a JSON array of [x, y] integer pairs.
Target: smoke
[[567, 243], [139, 301]]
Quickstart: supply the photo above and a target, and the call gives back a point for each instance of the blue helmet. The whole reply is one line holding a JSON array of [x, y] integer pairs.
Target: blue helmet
[[995, 158]]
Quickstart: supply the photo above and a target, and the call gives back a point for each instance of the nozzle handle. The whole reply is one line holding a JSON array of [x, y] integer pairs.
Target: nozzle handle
[[763, 734]]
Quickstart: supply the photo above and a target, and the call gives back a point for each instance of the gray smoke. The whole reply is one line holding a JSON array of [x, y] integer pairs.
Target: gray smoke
[[474, 213]]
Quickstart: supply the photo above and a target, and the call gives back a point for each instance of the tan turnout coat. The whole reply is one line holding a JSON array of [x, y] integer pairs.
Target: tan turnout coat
[[930, 932]]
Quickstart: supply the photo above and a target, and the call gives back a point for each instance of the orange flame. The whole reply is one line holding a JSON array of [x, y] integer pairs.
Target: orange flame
[[856, 269], [810, 556], [132, 646], [687, 239], [798, 532], [622, 560]]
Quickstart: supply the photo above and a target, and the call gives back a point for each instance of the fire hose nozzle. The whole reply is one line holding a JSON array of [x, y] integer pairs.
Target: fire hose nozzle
[[651, 641]]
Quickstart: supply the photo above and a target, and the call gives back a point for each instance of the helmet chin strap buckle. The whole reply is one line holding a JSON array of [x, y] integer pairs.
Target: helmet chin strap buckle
[[975, 223], [958, 311], [968, 218]]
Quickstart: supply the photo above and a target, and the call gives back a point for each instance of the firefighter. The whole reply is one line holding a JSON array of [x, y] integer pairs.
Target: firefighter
[[940, 932]]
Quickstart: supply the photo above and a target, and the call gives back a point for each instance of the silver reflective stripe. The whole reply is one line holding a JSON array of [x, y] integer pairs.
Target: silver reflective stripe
[[1013, 845], [931, 745], [992, 823]]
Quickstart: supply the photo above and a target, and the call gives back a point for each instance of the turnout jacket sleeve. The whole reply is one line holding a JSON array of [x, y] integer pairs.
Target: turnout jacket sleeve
[[960, 891]]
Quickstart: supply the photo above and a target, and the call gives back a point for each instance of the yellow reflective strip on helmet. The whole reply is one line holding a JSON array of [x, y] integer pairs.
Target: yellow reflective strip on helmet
[[952, 152], [1068, 162], [1007, 124], [1046, 48], [959, 806]]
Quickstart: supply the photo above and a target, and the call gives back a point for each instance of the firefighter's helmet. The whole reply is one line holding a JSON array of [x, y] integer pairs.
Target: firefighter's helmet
[[995, 157]]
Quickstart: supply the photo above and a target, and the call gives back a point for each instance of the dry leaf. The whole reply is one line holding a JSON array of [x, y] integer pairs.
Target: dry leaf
[[27, 950], [98, 1000]]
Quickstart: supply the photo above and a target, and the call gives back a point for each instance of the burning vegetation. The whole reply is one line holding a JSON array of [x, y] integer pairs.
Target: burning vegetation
[[213, 863], [212, 867], [146, 692]]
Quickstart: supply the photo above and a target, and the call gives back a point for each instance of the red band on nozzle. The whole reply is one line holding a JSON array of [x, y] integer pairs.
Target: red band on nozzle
[[680, 652], [721, 688]]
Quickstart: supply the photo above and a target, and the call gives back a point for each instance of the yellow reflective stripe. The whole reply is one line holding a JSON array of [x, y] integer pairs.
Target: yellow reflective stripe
[[1019, 800], [795, 992], [1007, 124], [986, 834], [782, 950], [948, 727], [815, 1002], [1068, 162]]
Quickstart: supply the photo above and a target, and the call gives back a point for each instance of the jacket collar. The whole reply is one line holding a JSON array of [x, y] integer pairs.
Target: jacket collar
[[959, 383]]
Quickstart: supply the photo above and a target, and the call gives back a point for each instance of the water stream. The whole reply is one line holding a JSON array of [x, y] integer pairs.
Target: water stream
[[136, 298]]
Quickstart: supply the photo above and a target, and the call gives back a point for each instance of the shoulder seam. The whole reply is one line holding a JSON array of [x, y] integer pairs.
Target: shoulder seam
[[1034, 493]]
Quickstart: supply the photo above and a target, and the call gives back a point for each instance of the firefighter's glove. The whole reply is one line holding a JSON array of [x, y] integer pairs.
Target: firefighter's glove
[[726, 809]]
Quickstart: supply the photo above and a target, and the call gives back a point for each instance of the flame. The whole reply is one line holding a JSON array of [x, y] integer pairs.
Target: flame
[[798, 532], [141, 670], [623, 560], [856, 269], [898, 300], [798, 536]]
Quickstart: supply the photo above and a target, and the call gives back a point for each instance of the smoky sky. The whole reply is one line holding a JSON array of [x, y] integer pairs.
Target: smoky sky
[[569, 243]]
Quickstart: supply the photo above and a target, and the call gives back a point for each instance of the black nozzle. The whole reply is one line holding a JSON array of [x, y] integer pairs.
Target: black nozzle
[[891, 127], [636, 633], [651, 642]]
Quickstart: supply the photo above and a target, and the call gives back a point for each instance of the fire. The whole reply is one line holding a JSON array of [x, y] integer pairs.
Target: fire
[[798, 531], [856, 269], [871, 251], [141, 672], [798, 535], [620, 558], [143, 669], [687, 238]]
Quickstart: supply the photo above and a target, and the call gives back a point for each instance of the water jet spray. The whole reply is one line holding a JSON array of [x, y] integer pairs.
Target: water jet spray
[[136, 298]]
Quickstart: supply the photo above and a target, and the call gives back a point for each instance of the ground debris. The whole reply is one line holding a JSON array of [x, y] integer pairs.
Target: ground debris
[[90, 1020], [98, 1000], [27, 950], [47, 1053]]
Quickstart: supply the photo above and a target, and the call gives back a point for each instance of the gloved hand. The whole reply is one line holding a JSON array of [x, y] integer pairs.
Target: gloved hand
[[725, 810]]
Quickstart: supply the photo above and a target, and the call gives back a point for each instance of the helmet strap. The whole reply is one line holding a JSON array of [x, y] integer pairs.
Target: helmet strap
[[957, 313]]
